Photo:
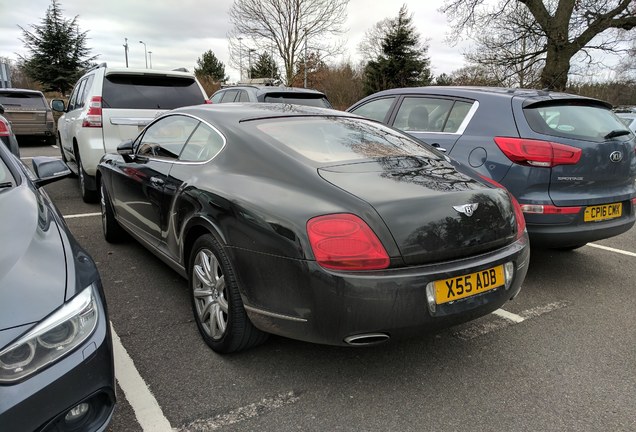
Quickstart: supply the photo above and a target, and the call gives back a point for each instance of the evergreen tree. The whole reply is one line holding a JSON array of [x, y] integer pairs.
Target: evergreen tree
[[265, 67], [211, 67], [58, 52], [403, 62]]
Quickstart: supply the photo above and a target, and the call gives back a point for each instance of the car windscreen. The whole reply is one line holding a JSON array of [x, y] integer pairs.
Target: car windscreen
[[150, 92], [22, 100], [315, 100], [574, 120], [337, 139]]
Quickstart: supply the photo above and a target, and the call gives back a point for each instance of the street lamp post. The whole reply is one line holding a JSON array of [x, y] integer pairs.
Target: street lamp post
[[145, 53], [150, 58], [240, 59], [305, 58], [126, 51]]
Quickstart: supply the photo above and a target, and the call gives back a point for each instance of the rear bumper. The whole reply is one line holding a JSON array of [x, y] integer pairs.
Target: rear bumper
[[573, 235], [42, 401], [37, 129], [301, 300], [571, 230]]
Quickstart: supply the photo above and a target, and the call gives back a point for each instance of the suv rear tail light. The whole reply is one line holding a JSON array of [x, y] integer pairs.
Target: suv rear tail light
[[538, 153], [548, 209], [4, 128], [94, 115], [343, 241], [521, 220]]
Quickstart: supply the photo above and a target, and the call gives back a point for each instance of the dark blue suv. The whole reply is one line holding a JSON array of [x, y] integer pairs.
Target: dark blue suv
[[569, 161]]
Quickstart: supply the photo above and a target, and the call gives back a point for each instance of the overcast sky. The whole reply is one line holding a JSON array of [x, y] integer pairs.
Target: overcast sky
[[179, 32]]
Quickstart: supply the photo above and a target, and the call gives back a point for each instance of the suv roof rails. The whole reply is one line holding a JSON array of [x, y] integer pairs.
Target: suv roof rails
[[101, 65], [181, 69]]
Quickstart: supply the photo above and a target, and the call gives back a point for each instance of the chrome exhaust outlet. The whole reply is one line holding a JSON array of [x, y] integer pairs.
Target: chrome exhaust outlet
[[367, 339]]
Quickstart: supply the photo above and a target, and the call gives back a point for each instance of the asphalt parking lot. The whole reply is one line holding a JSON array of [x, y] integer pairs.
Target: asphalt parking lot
[[560, 357]]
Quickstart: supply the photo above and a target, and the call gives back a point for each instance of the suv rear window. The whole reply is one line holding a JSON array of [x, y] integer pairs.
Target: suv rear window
[[573, 121], [298, 99], [150, 92], [22, 99]]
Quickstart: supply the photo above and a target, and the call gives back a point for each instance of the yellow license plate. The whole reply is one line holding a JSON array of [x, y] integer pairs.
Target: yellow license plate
[[460, 287], [603, 212]]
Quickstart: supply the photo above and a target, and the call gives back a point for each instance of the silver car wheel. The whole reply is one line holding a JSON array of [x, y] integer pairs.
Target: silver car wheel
[[208, 286]]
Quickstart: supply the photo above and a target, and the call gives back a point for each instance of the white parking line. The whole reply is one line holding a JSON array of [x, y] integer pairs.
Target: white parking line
[[243, 413], [619, 251], [75, 216], [138, 395], [509, 316]]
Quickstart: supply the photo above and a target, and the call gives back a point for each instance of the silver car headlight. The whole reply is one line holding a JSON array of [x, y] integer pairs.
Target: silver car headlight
[[51, 339]]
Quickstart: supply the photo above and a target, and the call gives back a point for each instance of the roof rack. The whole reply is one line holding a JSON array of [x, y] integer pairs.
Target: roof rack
[[101, 65], [181, 69]]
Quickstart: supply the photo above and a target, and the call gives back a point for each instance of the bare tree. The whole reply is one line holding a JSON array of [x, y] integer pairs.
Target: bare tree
[[370, 48], [286, 27], [567, 27], [627, 66]]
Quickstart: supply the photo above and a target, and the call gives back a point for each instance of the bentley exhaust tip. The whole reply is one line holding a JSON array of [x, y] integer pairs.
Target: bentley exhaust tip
[[367, 339]]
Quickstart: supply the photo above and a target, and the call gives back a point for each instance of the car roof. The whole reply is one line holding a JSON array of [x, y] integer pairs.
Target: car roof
[[530, 95], [264, 89], [238, 112], [17, 90]]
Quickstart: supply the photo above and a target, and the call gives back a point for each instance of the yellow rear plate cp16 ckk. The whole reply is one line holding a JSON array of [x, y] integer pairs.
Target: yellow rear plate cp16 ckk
[[603, 212], [460, 287]]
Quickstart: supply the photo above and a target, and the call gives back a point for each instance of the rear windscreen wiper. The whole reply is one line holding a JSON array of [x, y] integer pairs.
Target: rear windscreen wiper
[[617, 133]]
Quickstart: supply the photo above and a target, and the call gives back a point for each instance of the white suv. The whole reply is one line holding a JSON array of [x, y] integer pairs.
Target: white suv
[[111, 105]]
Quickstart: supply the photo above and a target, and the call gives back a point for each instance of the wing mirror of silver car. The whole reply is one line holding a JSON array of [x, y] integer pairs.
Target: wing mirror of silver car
[[49, 169], [57, 105]]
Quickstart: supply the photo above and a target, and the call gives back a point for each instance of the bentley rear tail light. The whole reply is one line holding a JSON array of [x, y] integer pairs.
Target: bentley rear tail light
[[94, 116], [521, 220], [538, 153], [343, 241]]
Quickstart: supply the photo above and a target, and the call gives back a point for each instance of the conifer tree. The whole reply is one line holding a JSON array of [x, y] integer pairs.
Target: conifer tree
[[210, 67], [58, 51]]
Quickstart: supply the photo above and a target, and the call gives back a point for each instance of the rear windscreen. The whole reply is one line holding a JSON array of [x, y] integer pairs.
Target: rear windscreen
[[309, 99], [150, 92], [22, 99], [337, 139], [573, 121]]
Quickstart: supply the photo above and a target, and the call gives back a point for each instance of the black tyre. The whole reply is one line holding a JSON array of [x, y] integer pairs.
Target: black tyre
[[51, 140], [216, 301], [113, 232], [88, 195]]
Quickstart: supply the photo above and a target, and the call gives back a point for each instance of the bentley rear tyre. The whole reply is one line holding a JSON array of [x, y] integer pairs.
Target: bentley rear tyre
[[216, 301]]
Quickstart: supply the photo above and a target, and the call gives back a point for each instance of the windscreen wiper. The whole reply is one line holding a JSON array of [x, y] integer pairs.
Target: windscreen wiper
[[616, 133]]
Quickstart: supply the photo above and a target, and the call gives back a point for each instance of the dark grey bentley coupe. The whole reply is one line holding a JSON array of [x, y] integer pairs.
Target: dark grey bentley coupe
[[312, 224]]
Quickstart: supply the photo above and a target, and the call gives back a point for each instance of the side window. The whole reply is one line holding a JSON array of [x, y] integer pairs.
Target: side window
[[216, 98], [457, 115], [423, 114], [243, 96], [203, 145], [72, 100], [166, 137], [81, 100], [229, 96], [376, 109]]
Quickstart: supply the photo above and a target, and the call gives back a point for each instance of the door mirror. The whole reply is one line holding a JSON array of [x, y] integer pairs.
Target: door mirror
[[49, 169], [125, 148], [57, 105]]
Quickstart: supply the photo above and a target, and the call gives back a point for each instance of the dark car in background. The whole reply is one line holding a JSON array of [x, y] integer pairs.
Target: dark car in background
[[56, 358], [568, 160], [6, 134], [29, 114], [271, 94], [312, 224]]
